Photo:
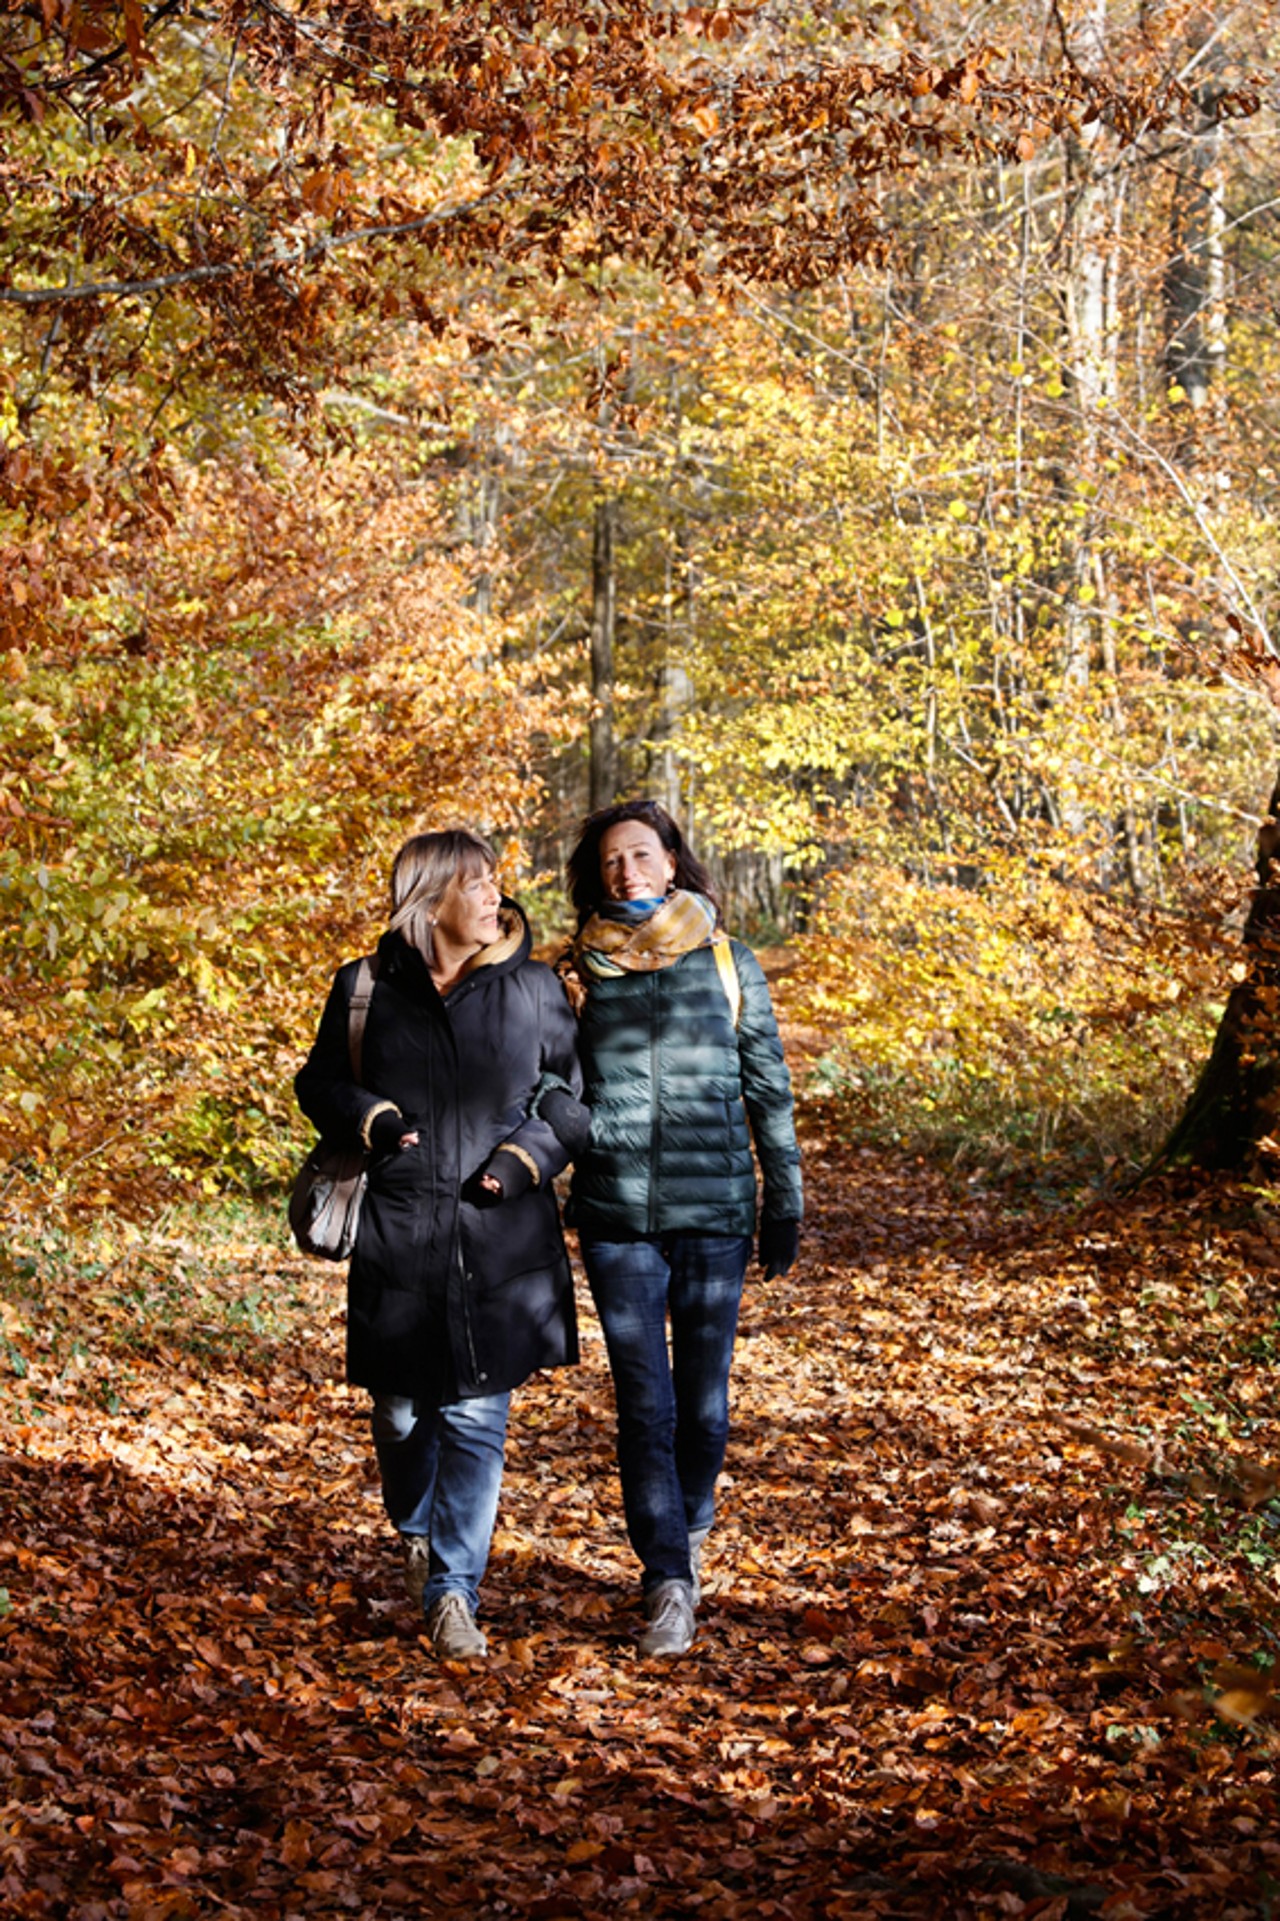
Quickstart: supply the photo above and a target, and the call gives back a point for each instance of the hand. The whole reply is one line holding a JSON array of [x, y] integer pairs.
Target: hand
[[390, 1131], [482, 1190], [568, 1120], [779, 1245], [502, 1178]]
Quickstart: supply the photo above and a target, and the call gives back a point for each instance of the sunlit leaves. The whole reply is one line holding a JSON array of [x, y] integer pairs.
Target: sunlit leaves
[[198, 825], [1011, 1020]]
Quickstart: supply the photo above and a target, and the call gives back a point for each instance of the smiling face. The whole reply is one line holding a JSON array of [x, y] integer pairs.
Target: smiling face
[[634, 864], [466, 918]]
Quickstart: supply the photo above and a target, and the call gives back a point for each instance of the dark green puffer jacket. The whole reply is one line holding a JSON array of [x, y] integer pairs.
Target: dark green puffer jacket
[[671, 1085]]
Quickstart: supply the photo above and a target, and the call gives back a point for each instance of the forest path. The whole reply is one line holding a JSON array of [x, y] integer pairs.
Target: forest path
[[953, 1656]]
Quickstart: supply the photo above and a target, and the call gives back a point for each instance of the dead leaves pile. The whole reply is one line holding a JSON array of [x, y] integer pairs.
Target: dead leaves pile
[[988, 1627]]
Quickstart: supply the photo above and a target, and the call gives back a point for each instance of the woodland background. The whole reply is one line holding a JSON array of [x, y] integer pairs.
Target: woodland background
[[860, 431], [858, 427]]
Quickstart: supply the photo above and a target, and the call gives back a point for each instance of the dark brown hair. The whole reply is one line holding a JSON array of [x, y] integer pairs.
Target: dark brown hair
[[586, 887]]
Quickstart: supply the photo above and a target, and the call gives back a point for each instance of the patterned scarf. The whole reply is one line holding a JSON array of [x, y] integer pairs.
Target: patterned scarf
[[676, 926]]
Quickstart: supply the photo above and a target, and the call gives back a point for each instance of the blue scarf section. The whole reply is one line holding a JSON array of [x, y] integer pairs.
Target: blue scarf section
[[630, 910]]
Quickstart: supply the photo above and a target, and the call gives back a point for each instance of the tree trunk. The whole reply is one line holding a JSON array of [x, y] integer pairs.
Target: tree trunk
[[604, 609], [1232, 1119], [1092, 335], [1195, 275], [674, 683], [478, 509]]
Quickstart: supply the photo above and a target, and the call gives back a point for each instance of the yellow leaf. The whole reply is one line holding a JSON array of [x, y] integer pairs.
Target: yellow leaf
[[1242, 1705]]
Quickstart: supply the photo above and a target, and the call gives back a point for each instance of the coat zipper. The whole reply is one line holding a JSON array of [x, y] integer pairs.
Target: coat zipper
[[655, 1106], [478, 1379]]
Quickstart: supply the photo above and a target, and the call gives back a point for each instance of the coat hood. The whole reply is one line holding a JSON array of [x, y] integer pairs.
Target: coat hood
[[513, 946]]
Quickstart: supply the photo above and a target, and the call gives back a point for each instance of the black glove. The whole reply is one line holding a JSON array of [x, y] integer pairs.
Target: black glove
[[779, 1245], [511, 1172], [385, 1131], [567, 1118], [474, 1190]]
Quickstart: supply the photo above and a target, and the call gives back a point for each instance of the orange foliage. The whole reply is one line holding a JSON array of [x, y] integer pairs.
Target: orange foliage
[[203, 790]]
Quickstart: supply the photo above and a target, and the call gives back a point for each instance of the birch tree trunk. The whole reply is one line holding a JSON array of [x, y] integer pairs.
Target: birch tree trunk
[[603, 750], [1195, 274], [1092, 334], [674, 683]]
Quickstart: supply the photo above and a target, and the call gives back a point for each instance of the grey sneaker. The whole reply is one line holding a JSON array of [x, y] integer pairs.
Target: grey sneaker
[[416, 1549], [453, 1631], [669, 1608], [697, 1541]]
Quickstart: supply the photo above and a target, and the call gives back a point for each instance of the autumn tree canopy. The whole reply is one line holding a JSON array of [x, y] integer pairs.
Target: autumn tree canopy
[[699, 141], [857, 429]]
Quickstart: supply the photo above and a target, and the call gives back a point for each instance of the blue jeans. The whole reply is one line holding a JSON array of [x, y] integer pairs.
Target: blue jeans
[[441, 1476], [673, 1410]]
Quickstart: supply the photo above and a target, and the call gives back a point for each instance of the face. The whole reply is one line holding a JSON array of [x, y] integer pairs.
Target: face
[[467, 916], [634, 865]]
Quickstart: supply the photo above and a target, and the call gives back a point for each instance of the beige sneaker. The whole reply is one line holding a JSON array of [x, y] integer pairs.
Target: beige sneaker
[[453, 1631], [416, 1549], [669, 1607]]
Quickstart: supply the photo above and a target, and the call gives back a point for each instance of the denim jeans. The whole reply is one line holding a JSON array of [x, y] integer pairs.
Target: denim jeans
[[673, 1410], [441, 1476]]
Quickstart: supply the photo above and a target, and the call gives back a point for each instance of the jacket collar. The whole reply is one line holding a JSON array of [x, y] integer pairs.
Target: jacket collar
[[513, 945]]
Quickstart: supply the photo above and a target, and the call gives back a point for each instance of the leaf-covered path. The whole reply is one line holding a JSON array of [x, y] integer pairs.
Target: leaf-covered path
[[956, 1657]]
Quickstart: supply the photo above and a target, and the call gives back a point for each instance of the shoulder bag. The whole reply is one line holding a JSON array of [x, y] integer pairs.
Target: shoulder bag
[[324, 1206]]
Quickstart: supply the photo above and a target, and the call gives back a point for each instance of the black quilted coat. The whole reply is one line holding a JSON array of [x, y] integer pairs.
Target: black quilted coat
[[447, 1300]]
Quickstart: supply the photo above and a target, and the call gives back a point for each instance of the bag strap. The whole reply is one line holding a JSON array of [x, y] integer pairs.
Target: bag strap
[[358, 1012], [728, 974]]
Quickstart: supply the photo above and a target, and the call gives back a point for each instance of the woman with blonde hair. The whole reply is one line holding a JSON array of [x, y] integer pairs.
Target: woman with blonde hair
[[459, 1286]]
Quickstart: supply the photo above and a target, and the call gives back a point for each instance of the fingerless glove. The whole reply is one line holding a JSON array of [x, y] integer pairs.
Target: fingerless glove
[[385, 1130]]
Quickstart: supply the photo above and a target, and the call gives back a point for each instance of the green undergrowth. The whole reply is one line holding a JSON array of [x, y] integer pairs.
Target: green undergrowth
[[1035, 1147], [1025, 1034], [86, 1310]]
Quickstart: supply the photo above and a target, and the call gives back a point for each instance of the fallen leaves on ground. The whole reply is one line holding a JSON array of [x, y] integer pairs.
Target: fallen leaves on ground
[[990, 1611]]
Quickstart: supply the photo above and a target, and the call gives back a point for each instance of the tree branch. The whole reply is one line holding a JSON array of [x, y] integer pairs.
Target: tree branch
[[235, 269]]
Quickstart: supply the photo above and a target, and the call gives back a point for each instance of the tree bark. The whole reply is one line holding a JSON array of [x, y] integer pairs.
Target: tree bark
[[1232, 1119], [604, 610], [673, 681], [1092, 313], [1195, 274]]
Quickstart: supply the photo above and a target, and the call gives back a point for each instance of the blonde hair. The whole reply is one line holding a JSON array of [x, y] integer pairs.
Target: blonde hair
[[421, 873]]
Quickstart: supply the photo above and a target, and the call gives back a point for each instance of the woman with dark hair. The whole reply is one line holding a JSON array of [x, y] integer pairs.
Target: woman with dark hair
[[459, 1286], [683, 1069]]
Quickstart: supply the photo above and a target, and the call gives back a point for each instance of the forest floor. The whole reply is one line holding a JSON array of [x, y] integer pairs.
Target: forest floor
[[991, 1610]]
